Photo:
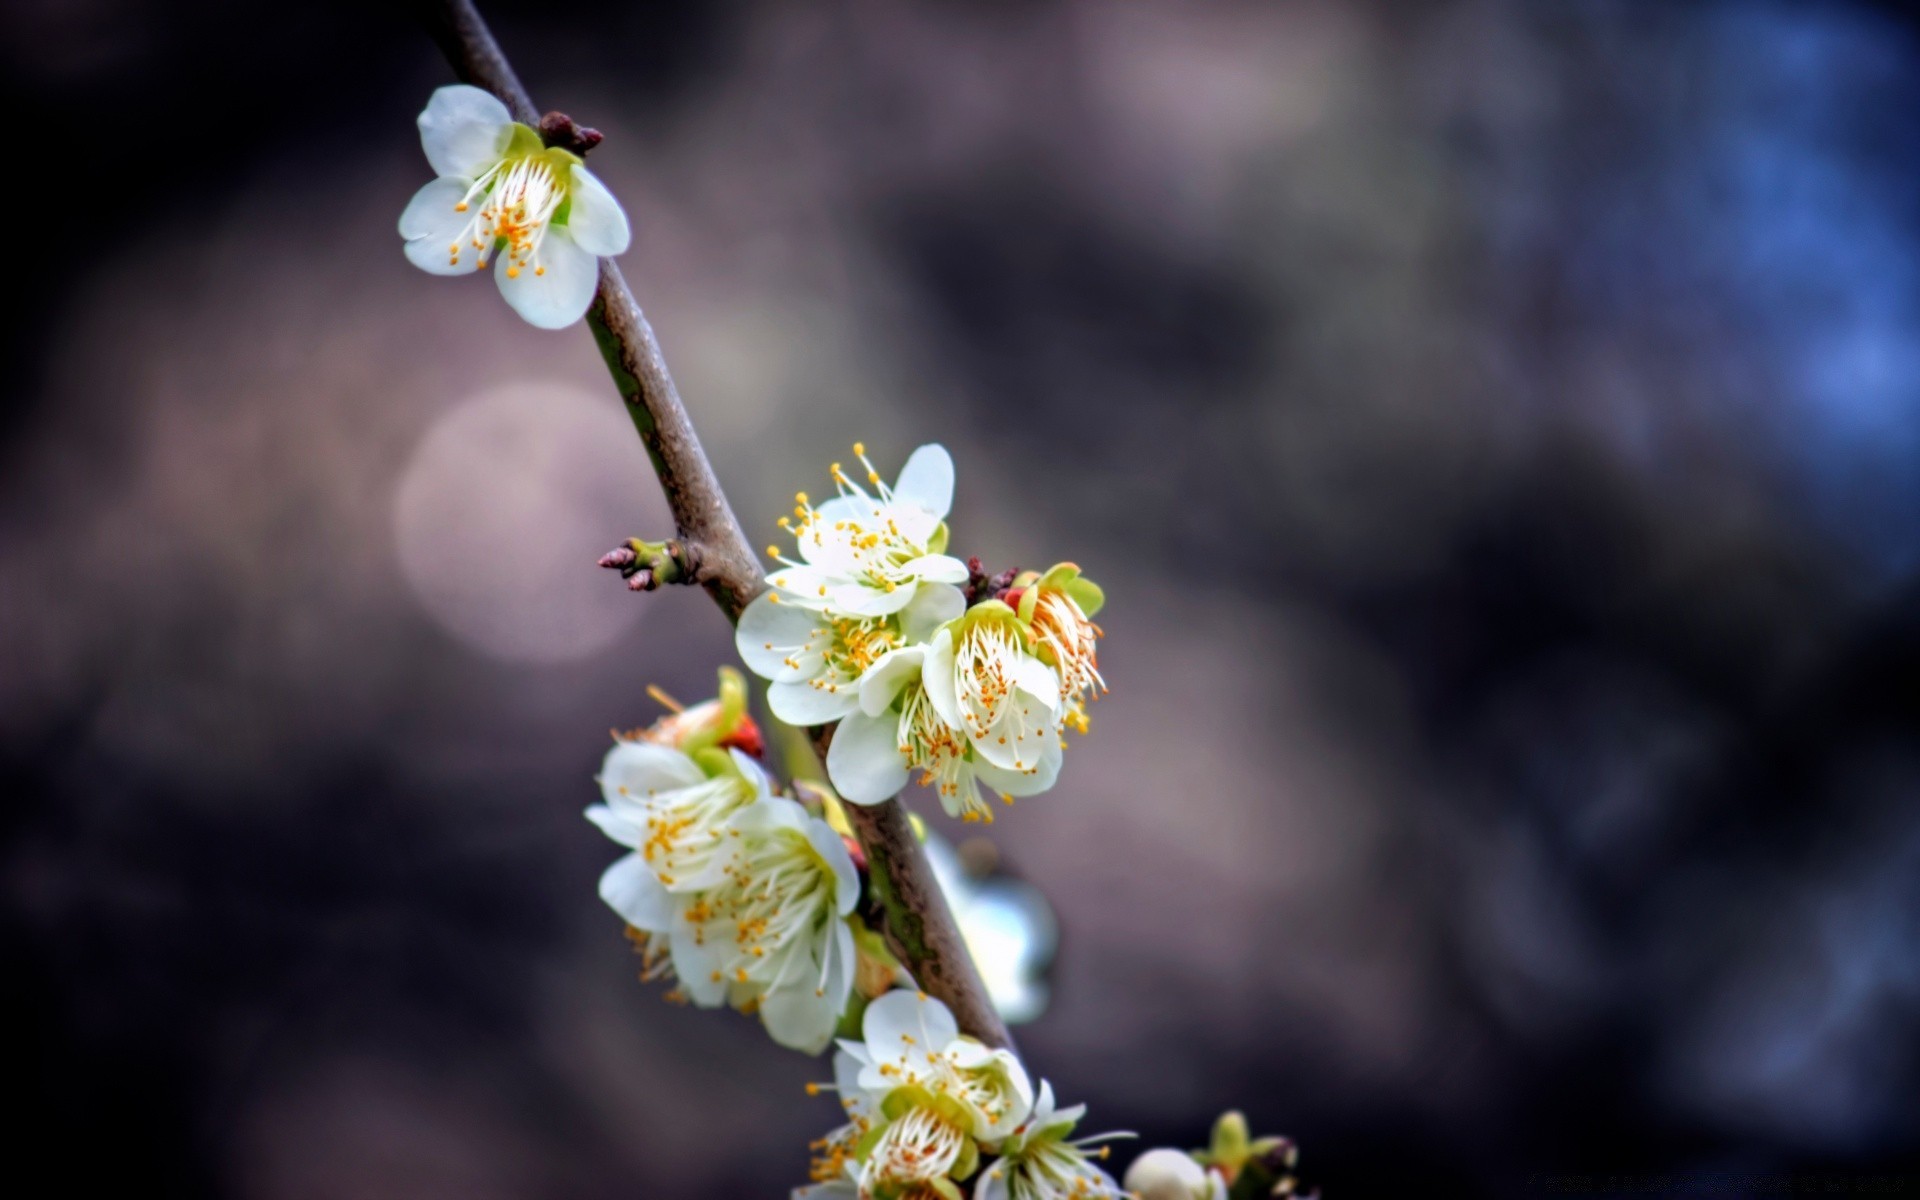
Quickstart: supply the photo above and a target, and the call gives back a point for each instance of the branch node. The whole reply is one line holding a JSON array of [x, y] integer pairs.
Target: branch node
[[562, 131], [648, 565]]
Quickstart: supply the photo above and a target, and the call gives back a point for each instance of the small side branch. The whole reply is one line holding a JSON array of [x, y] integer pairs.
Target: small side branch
[[919, 924], [648, 565]]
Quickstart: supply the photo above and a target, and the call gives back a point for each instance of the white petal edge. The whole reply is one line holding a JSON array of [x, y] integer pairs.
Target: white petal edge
[[833, 851], [937, 677], [772, 631], [865, 762], [803, 704], [889, 673], [927, 480], [798, 1018], [637, 770], [596, 220], [932, 606], [556, 288], [630, 889], [464, 130], [432, 227], [939, 568]]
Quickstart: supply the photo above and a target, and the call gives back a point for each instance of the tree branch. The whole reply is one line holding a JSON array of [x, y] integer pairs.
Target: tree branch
[[920, 927]]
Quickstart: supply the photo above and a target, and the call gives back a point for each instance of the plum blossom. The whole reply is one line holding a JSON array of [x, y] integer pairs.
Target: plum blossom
[[869, 555], [1058, 608], [973, 707], [503, 196], [814, 659], [1039, 1162], [738, 893]]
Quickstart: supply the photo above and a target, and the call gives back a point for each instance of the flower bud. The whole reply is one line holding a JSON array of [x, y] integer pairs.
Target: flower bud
[[1167, 1174]]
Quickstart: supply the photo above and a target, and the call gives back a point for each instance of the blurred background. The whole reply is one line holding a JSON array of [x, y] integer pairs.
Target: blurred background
[[1496, 425]]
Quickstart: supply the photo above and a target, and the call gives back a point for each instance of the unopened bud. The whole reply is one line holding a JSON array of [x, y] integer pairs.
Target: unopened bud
[[1167, 1174]]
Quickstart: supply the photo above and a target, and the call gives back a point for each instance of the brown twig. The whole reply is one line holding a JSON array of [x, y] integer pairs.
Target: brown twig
[[920, 927]]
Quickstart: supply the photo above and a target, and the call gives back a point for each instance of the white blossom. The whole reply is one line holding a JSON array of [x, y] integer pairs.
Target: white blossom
[[868, 555], [910, 1041], [1039, 1162], [743, 893], [1058, 608], [503, 196], [974, 706], [815, 659]]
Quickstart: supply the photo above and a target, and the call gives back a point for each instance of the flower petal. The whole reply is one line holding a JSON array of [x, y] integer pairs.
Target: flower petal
[[937, 677], [992, 1184], [1031, 781], [798, 1017], [596, 220], [697, 965], [556, 288], [865, 762], [464, 130], [624, 828], [860, 600], [932, 606], [846, 1079], [771, 632], [888, 674], [1037, 679], [1020, 737], [833, 851], [630, 889], [433, 228], [637, 770], [927, 480], [902, 1029], [939, 568], [803, 704], [806, 585]]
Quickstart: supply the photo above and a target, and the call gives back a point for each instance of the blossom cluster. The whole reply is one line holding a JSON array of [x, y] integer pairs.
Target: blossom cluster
[[743, 896], [869, 626], [927, 1109]]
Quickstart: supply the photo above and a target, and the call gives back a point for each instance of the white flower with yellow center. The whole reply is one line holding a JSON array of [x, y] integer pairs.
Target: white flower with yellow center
[[504, 197], [673, 813], [912, 1042], [814, 659], [869, 555], [773, 933], [923, 1142], [974, 706], [1038, 1162], [741, 891], [969, 709], [1058, 608]]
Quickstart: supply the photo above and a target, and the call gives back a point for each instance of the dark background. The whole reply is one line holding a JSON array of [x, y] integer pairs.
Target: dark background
[[1496, 424]]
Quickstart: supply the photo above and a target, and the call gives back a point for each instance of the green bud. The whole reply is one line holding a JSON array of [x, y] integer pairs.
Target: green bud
[[1231, 1144]]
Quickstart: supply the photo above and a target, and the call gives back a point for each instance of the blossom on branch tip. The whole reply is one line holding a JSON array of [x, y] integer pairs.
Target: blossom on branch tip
[[502, 196]]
